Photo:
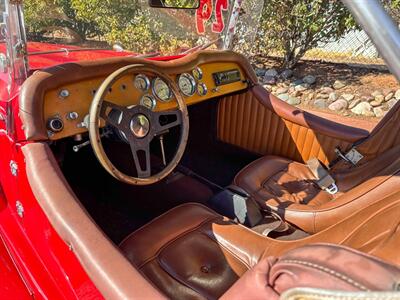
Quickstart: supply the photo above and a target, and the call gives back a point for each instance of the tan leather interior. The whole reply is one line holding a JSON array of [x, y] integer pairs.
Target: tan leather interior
[[261, 123], [39, 94], [193, 253]]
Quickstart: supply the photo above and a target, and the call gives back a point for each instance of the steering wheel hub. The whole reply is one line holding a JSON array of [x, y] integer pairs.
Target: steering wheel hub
[[140, 126]]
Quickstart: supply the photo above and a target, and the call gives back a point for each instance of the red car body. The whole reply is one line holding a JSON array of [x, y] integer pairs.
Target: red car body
[[35, 261]]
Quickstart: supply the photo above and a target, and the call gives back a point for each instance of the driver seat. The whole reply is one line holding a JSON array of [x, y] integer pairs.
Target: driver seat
[[191, 252]]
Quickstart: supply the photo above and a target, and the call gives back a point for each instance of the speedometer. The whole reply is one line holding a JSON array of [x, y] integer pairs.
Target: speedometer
[[161, 90], [187, 84]]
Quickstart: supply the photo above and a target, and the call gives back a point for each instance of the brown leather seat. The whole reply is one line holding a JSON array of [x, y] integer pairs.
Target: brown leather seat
[[277, 181], [191, 252], [180, 254], [289, 188]]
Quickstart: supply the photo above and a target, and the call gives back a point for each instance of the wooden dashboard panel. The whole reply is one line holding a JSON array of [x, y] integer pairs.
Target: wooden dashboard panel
[[124, 93]]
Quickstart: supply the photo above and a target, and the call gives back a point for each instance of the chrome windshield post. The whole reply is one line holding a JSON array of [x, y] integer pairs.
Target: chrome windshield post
[[16, 41]]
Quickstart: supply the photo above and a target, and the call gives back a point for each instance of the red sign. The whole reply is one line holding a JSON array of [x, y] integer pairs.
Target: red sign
[[205, 12]]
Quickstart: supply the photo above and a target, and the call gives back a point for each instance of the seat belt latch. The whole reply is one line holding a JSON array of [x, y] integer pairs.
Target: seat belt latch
[[323, 179], [352, 156]]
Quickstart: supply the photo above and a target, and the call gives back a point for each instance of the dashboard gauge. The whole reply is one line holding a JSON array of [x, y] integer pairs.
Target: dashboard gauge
[[202, 89], [187, 84], [197, 73], [142, 82], [161, 90], [148, 101]]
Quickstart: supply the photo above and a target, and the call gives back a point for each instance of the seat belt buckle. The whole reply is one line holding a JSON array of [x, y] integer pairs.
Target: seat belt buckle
[[332, 189]]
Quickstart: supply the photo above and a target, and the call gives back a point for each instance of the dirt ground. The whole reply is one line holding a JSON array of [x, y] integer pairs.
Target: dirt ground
[[360, 81]]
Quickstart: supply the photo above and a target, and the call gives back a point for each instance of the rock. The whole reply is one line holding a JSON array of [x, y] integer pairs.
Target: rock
[[389, 96], [320, 103], [284, 97], [376, 93], [332, 97], [310, 79], [391, 103], [260, 72], [367, 98], [271, 72], [348, 97], [339, 84], [297, 82], [338, 105], [375, 103], [310, 96], [379, 112], [323, 96], [302, 87], [281, 90], [269, 79], [326, 90], [267, 87], [379, 99], [295, 93], [293, 100], [354, 103], [363, 108], [397, 95], [287, 74]]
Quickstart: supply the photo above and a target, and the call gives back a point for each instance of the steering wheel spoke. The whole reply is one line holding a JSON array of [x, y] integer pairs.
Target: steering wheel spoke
[[167, 119], [113, 114], [141, 153]]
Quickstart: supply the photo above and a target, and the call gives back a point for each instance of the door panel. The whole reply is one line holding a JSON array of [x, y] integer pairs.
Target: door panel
[[259, 122]]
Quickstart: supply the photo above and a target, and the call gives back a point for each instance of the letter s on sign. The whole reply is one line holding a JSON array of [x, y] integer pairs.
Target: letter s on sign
[[204, 13], [219, 25]]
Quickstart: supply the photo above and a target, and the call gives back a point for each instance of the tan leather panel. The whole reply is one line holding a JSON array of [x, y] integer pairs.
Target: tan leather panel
[[124, 93], [246, 122]]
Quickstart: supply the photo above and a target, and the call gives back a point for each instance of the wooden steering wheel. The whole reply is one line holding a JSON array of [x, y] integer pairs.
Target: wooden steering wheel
[[139, 125]]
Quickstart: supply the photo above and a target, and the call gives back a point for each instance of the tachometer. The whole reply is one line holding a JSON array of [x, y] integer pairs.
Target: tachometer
[[142, 82], [148, 101], [197, 73], [187, 84], [161, 90]]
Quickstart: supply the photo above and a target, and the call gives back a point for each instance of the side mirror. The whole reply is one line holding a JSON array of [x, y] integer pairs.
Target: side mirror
[[175, 4]]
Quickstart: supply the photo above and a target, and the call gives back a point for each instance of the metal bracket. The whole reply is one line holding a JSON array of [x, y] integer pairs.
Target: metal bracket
[[13, 168], [20, 209]]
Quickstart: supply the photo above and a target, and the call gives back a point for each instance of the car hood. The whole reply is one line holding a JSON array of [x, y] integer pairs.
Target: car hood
[[45, 60]]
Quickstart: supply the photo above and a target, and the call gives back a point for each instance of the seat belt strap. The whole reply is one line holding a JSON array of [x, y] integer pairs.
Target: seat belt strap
[[323, 179]]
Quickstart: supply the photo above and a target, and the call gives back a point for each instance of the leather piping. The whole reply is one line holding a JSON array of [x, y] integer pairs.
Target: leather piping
[[115, 280]]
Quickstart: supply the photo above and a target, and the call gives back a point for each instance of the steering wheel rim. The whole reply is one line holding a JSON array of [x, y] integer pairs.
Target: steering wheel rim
[[128, 114]]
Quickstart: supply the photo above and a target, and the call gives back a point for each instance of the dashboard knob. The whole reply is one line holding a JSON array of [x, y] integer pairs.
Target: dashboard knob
[[55, 124], [73, 115]]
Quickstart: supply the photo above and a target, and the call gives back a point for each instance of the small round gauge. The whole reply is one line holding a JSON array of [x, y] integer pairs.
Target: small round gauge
[[142, 82], [187, 84], [161, 90], [202, 89], [197, 73], [148, 101]]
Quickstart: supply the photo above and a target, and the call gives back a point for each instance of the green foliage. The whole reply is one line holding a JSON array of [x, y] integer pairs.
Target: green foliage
[[295, 26], [125, 22]]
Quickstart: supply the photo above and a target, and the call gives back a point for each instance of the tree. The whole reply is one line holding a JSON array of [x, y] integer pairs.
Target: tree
[[49, 16], [296, 26]]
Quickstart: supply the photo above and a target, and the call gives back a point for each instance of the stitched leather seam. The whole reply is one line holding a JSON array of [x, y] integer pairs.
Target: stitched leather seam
[[176, 238], [228, 250], [162, 215], [329, 271]]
